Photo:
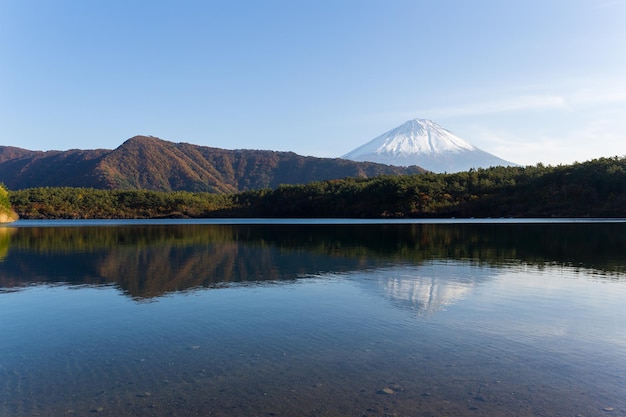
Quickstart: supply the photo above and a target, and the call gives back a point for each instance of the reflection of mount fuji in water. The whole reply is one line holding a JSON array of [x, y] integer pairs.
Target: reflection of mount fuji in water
[[152, 261], [426, 288]]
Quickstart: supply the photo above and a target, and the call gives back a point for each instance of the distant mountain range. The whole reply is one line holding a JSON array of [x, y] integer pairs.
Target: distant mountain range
[[426, 144], [146, 162]]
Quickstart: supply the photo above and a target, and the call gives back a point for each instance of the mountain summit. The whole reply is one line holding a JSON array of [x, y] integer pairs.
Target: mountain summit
[[426, 144]]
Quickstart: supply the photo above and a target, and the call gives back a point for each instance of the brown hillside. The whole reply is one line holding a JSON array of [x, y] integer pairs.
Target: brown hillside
[[153, 164], [20, 168], [145, 162]]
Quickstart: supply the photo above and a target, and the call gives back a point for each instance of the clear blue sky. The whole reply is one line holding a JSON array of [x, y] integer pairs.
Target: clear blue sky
[[530, 81]]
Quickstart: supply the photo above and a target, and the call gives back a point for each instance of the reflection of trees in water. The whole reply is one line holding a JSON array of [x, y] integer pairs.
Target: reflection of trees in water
[[147, 261], [5, 240], [159, 270]]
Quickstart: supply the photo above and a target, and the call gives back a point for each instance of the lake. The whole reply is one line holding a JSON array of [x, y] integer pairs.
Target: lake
[[313, 318]]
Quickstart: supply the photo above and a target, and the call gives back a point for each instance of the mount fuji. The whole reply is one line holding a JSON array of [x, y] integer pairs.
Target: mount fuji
[[426, 144]]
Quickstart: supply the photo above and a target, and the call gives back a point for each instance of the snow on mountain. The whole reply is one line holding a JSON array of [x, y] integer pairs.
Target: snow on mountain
[[426, 144]]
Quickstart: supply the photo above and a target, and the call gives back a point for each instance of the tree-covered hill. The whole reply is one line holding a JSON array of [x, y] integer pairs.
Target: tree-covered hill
[[149, 163], [592, 189]]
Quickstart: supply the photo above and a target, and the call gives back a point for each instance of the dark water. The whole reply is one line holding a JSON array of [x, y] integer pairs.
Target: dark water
[[187, 319]]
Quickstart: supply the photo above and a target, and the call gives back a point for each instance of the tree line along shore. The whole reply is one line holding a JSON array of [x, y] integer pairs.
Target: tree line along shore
[[596, 188]]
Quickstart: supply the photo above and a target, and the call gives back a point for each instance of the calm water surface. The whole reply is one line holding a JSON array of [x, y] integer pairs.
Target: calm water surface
[[367, 319]]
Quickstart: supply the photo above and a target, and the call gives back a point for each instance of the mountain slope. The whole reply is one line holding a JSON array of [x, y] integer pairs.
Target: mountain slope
[[145, 162], [20, 168], [426, 144]]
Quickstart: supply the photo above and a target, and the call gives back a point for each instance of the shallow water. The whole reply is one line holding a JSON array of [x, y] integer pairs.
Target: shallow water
[[313, 320]]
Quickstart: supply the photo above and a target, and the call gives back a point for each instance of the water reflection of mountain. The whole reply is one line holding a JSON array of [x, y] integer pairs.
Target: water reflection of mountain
[[427, 288], [148, 261]]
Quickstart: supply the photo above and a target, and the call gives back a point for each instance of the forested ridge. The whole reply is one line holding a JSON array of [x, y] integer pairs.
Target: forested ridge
[[595, 188], [149, 163]]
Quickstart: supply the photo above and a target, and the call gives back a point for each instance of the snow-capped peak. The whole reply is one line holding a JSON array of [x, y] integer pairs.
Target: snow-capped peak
[[424, 143], [417, 136]]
